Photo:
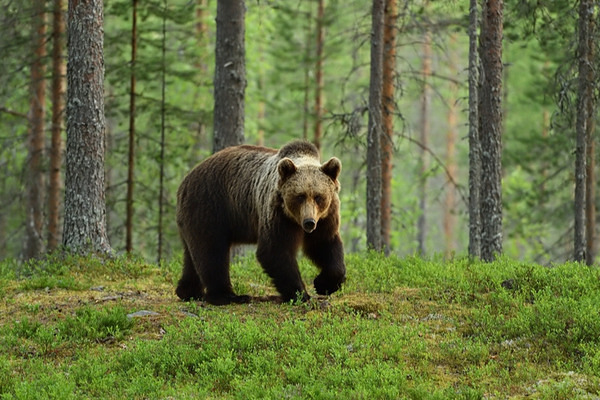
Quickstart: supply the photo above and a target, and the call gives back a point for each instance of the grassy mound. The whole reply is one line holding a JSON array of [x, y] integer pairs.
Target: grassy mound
[[78, 328]]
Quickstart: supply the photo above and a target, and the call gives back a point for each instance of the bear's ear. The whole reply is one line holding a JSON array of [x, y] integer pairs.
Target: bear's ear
[[286, 168], [332, 168]]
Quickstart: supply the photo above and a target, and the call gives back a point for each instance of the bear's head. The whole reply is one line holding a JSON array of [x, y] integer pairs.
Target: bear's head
[[309, 190]]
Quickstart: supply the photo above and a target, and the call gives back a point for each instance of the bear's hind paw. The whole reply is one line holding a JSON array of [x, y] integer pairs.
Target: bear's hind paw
[[222, 300]]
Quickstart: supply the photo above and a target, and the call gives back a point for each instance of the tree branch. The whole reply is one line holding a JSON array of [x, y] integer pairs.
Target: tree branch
[[440, 163], [11, 112]]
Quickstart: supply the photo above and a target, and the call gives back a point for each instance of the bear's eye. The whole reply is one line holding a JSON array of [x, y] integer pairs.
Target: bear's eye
[[320, 200], [300, 198]]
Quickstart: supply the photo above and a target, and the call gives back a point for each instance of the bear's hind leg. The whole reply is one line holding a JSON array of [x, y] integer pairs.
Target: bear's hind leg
[[213, 268], [189, 286]]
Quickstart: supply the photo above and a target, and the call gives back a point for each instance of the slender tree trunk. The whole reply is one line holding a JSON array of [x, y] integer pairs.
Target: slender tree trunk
[[590, 183], [131, 158], [33, 245], [491, 129], [230, 74], [583, 106], [387, 143], [261, 116], [59, 72], [307, 77], [451, 137], [424, 139], [163, 101], [201, 30], [374, 240], [319, 74], [590, 201], [544, 172], [474, 142], [85, 207]]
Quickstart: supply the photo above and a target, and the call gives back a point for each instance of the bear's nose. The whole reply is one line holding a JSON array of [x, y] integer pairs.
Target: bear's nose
[[309, 225]]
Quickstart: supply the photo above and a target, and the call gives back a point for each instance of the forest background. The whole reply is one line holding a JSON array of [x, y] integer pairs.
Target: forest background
[[430, 176]]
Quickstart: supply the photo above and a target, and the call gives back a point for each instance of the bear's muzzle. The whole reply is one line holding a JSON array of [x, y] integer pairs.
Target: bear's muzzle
[[309, 225]]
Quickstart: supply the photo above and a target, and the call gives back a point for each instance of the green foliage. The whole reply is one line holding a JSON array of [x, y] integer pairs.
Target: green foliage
[[400, 328], [97, 325]]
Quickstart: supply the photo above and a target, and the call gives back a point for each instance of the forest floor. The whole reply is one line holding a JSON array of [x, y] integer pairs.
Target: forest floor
[[78, 328]]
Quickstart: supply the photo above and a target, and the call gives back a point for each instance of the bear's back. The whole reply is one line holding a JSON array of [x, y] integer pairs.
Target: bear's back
[[230, 189]]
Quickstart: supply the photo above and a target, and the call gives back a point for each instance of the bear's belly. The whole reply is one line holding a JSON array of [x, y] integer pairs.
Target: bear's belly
[[243, 232]]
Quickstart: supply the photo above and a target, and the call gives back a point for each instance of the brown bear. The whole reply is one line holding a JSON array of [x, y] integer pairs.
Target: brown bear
[[280, 200]]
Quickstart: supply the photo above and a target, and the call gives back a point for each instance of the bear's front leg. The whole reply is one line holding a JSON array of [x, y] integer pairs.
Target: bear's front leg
[[326, 251], [277, 256]]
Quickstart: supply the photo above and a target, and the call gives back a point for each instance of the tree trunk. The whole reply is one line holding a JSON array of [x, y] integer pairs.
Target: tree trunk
[[387, 143], [590, 183], [131, 158], [230, 75], [163, 116], [584, 98], [590, 200], [33, 245], [490, 116], [307, 78], [474, 142], [59, 71], [319, 75], [451, 137], [201, 31], [85, 208], [375, 129], [424, 139]]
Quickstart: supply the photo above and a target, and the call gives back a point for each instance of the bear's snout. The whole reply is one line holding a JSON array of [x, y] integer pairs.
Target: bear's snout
[[309, 225]]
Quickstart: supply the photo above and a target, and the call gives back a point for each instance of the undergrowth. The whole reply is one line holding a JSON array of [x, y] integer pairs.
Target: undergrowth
[[85, 327]]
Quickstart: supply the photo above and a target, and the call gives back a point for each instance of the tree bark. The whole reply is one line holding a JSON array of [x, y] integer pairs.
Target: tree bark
[[451, 137], [319, 74], [202, 41], [307, 74], [33, 245], [474, 142], [491, 129], [583, 106], [85, 208], [163, 117], [590, 200], [131, 153], [375, 130], [230, 75], [387, 142], [424, 138], [59, 71]]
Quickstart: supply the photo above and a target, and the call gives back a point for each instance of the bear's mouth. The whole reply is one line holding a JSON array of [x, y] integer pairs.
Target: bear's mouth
[[309, 225]]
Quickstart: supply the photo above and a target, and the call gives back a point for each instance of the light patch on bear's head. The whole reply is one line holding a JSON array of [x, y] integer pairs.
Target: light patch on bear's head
[[308, 189]]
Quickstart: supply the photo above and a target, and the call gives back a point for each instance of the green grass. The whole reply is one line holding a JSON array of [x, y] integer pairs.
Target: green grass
[[400, 329]]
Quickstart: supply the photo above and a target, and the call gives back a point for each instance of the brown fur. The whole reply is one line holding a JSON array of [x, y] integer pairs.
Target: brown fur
[[281, 200]]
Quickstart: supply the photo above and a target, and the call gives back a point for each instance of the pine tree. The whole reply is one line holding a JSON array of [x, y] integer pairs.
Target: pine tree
[[490, 129], [33, 245], [59, 70], [230, 75], [374, 133], [85, 208]]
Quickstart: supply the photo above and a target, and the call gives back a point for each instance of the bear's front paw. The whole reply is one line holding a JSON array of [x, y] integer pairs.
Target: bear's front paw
[[325, 285]]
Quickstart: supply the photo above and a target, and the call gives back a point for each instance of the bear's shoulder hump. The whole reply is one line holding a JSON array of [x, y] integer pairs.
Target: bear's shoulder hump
[[299, 148]]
